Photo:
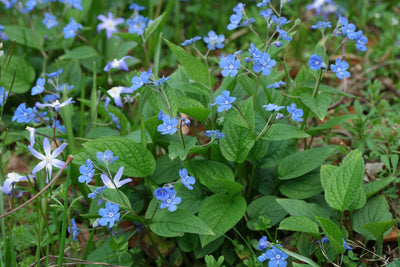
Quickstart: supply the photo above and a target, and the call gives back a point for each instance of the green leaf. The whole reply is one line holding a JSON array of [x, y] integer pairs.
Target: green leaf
[[110, 195], [72, 74], [166, 170], [318, 104], [77, 14], [299, 224], [267, 207], [375, 210], [153, 26], [173, 101], [221, 213], [281, 131], [176, 149], [190, 88], [343, 185], [81, 52], [138, 161], [247, 110], [379, 228], [210, 174], [375, 186], [170, 224], [333, 233], [302, 162], [193, 108], [278, 150], [195, 68], [302, 76], [332, 123], [237, 143], [129, 36], [301, 208], [306, 186], [25, 74], [24, 36]]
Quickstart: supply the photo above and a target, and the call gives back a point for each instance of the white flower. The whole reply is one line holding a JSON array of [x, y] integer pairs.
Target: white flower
[[115, 183]]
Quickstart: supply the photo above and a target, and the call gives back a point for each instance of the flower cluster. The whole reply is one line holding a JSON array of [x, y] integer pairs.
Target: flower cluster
[[275, 256], [262, 61], [224, 101], [239, 18]]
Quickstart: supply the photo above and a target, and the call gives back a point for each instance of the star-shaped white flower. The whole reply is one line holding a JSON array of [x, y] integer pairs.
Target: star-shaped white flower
[[115, 183]]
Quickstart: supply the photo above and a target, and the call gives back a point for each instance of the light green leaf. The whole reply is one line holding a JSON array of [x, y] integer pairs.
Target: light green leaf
[[267, 207], [193, 108], [170, 224], [129, 36], [136, 159], [379, 228], [333, 233], [343, 185], [24, 36], [81, 52], [302, 162], [24, 77], [237, 143], [375, 186], [247, 110], [110, 195], [301, 208], [375, 210], [299, 224], [306, 186], [332, 123], [221, 213], [176, 149], [153, 26], [195, 68], [318, 104], [190, 88], [281, 131]]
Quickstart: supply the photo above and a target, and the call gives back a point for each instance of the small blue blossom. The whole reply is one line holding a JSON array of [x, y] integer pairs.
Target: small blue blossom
[[315, 62], [214, 134], [324, 7], [107, 157], [39, 87], [171, 201], [115, 93], [114, 119], [239, 8], [29, 6], [12, 179], [71, 28], [361, 41], [110, 214], [321, 25], [77, 4], [214, 41], [295, 113], [340, 68], [345, 246], [3, 36], [280, 20], [234, 21], [276, 85], [56, 104], [96, 192], [191, 41], [137, 24], [136, 7], [224, 101], [86, 171], [272, 107], [109, 24], [277, 43], [349, 30], [3, 95], [75, 230], [266, 14], [54, 74], [277, 258], [115, 182], [138, 82], [162, 193], [63, 87], [58, 126], [23, 114], [8, 4], [230, 65], [49, 20], [186, 179], [160, 81], [263, 3], [263, 243], [169, 126], [255, 53], [264, 64], [283, 34], [50, 98]]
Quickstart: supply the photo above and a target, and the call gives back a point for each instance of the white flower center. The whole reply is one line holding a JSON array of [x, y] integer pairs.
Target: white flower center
[[111, 215]]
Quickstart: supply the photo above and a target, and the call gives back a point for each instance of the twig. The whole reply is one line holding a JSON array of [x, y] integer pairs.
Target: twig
[[69, 159]]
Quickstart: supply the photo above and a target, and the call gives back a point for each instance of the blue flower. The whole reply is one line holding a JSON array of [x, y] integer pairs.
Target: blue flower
[[3, 95], [162, 193], [54, 74], [283, 34], [168, 126], [49, 20], [110, 214], [277, 258], [234, 21], [32, 132], [115, 93], [86, 171], [276, 85], [115, 183], [109, 24], [71, 28], [3, 36], [345, 246], [263, 243], [348, 30], [295, 112], [58, 126], [137, 24], [321, 25], [280, 20], [136, 7], [255, 53], [186, 179], [315, 62], [214, 41], [191, 40], [340, 68], [230, 65], [48, 159], [264, 64], [266, 14], [29, 6], [272, 107], [171, 201], [263, 3], [224, 101], [239, 8], [114, 119], [12, 179], [77, 4], [118, 64], [50, 98], [97, 192], [138, 82], [23, 114], [39, 88], [214, 134], [75, 230], [361, 41], [325, 7], [8, 4], [107, 157]]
